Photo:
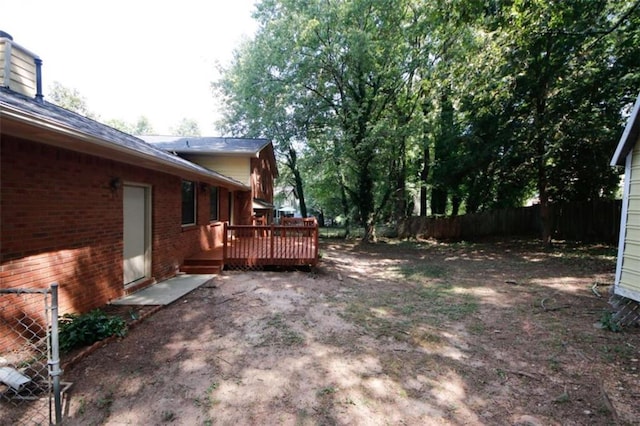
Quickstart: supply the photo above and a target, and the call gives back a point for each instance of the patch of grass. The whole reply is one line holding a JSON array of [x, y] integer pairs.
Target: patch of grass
[[612, 352], [279, 332], [408, 310], [327, 390], [422, 271], [302, 417], [338, 232], [554, 364], [82, 406], [399, 313], [477, 328], [375, 321], [443, 302], [427, 338], [105, 401], [208, 398], [168, 416]]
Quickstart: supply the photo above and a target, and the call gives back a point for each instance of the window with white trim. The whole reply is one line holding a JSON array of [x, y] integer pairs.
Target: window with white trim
[[188, 203], [213, 203]]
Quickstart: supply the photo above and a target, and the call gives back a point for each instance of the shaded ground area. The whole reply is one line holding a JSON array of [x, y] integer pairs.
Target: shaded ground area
[[394, 333]]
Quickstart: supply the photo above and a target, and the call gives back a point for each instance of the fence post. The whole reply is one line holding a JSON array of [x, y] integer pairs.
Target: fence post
[[54, 363]]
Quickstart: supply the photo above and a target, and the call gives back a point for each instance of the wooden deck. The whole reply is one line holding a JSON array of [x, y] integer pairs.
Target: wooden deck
[[295, 243], [271, 245]]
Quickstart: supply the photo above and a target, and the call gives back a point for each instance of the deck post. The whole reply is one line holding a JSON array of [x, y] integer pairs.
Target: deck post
[[316, 244], [273, 233], [224, 243]]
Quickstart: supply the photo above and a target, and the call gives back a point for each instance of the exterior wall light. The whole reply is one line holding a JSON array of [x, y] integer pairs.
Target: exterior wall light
[[115, 183]]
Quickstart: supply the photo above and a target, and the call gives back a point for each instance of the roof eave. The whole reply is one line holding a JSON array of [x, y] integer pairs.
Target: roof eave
[[98, 146], [218, 153], [629, 136]]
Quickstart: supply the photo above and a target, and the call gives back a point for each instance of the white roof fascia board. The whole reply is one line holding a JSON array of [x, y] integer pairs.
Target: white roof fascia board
[[633, 125]]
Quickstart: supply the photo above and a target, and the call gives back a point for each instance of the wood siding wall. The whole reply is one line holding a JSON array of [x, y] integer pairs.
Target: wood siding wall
[[17, 68], [628, 284], [237, 168]]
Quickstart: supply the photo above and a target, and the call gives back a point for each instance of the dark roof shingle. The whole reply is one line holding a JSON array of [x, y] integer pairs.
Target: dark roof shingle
[[52, 113], [208, 145]]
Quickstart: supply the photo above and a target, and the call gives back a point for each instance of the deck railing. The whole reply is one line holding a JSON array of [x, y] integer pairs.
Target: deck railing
[[289, 244]]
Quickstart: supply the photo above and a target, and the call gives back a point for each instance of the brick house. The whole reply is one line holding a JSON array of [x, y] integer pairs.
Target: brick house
[[249, 160], [99, 211]]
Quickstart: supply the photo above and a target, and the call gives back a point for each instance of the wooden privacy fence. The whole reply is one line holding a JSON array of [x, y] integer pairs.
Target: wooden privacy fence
[[594, 221], [294, 243]]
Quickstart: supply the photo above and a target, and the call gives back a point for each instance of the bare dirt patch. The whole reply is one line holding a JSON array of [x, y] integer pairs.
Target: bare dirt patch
[[394, 333]]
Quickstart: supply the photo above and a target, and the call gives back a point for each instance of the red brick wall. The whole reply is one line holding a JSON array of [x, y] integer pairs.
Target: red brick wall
[[61, 221], [242, 208], [223, 204]]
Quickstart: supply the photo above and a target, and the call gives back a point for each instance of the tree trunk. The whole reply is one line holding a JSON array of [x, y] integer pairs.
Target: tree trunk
[[545, 217], [300, 191], [370, 231], [438, 201], [292, 162], [455, 205], [424, 173], [401, 185], [441, 179], [365, 201], [344, 201]]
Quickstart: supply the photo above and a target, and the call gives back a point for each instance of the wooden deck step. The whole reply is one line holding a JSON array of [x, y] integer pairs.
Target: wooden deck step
[[204, 262], [201, 269]]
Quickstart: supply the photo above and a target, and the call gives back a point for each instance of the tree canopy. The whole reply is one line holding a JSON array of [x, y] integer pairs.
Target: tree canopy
[[186, 127], [381, 109]]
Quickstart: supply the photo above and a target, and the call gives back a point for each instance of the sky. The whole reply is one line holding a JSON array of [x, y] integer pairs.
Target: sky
[[134, 58]]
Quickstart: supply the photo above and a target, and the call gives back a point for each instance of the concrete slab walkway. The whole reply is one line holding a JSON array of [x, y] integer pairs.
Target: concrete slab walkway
[[165, 292]]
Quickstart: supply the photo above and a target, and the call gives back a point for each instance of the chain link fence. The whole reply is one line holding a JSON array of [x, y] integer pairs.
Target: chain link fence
[[30, 388]]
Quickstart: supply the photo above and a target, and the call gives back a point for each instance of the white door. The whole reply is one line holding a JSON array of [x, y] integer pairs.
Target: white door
[[135, 233]]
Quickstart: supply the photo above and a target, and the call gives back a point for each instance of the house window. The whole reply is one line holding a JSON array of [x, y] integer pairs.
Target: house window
[[188, 203], [213, 203]]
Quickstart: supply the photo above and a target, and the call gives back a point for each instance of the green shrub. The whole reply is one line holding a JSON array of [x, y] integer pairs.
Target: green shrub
[[609, 323], [82, 330]]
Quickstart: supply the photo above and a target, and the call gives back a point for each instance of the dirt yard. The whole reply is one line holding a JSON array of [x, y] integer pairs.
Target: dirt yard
[[395, 333]]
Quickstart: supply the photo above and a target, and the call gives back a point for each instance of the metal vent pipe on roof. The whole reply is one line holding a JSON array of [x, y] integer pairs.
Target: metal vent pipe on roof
[[39, 95]]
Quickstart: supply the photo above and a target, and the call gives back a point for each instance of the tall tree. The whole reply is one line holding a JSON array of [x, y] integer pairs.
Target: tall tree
[[69, 98], [186, 127], [552, 52], [479, 104], [142, 126], [337, 65]]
